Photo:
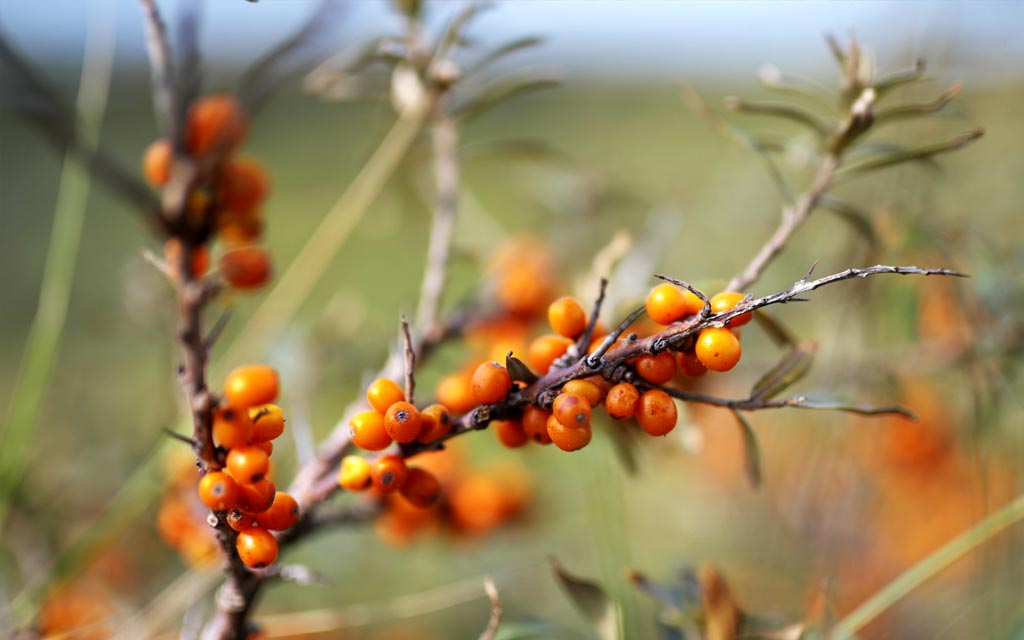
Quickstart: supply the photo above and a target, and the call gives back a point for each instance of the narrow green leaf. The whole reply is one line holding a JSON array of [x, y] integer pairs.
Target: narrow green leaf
[[590, 599], [855, 217], [917, 109], [831, 403], [793, 366], [912, 155], [504, 50], [751, 451], [778, 333], [786, 111], [624, 443], [900, 79], [501, 91], [530, 630]]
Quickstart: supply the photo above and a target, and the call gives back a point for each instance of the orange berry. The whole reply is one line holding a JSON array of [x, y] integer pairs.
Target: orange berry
[[251, 385], [219, 491], [239, 227], [657, 369], [567, 317], [535, 424], [389, 473], [215, 123], [267, 422], [718, 349], [511, 433], [231, 428], [571, 410], [246, 267], [238, 520], [243, 184], [248, 464], [383, 393], [690, 365], [455, 391], [403, 423], [368, 432], [437, 422], [621, 401], [585, 389], [281, 515], [420, 488], [665, 304], [354, 474], [156, 163], [656, 412], [256, 547], [491, 383], [568, 438], [200, 261], [727, 300], [256, 497], [545, 350]]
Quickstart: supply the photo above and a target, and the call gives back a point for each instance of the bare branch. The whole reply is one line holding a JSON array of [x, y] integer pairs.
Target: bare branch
[[495, 620], [410, 363], [161, 64]]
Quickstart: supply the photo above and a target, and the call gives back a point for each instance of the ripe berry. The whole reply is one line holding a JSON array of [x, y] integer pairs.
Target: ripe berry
[[383, 393], [665, 304], [239, 227], [727, 300], [403, 423], [545, 350], [215, 123], [656, 412], [718, 349], [421, 488], [267, 422], [231, 428], [248, 464], [568, 438], [219, 491], [243, 184], [657, 369], [622, 400], [368, 432], [567, 317], [354, 474], [238, 520], [156, 163], [455, 391], [535, 424], [491, 383], [690, 365], [585, 389], [571, 410], [256, 547], [281, 515], [250, 386], [511, 433], [256, 497], [200, 261], [389, 473], [437, 422], [246, 267]]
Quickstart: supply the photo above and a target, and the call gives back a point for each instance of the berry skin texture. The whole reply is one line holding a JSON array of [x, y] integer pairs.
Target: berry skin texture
[[256, 497], [403, 422], [383, 393], [239, 520], [256, 547], [665, 304], [690, 365], [219, 491], [231, 428], [421, 488], [535, 424], [568, 438], [571, 410], [543, 352], [621, 401], [156, 163], [248, 464], [656, 412], [281, 515], [251, 386], [215, 123], [267, 422], [243, 184], [585, 389], [511, 433], [368, 432], [657, 369], [246, 268], [389, 473], [718, 349], [437, 422], [455, 392], [727, 300], [567, 317], [354, 474], [491, 383]]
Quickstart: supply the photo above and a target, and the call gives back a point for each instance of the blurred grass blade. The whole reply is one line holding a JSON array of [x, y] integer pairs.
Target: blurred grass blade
[[43, 343], [751, 451], [501, 91], [914, 110], [786, 111], [856, 218], [625, 444], [912, 155], [504, 50], [928, 568], [590, 599], [829, 403], [793, 366]]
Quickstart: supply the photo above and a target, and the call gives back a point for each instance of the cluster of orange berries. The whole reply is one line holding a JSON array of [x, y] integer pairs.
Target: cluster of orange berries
[[215, 128], [246, 425], [181, 517]]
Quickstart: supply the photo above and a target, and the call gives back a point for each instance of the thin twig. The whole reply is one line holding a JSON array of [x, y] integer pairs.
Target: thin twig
[[410, 363], [495, 620], [161, 63]]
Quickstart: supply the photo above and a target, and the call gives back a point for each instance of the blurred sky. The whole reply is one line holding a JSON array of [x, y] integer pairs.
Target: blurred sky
[[624, 40]]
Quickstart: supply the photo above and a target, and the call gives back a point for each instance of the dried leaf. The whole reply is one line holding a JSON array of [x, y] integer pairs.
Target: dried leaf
[[793, 366], [751, 451], [590, 599], [518, 370]]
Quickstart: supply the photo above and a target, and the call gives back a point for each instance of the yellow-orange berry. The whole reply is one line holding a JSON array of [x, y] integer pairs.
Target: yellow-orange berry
[[491, 383], [266, 445], [567, 317], [231, 427], [437, 422], [621, 401], [657, 369], [251, 385], [571, 410], [238, 519], [246, 267], [219, 491], [354, 474], [383, 393], [420, 488], [368, 432], [665, 304], [242, 183], [690, 365], [568, 438], [656, 412], [543, 351], [248, 464], [256, 547], [256, 497], [389, 473], [156, 163], [510, 433], [281, 515], [718, 349], [585, 389], [535, 424], [455, 391], [267, 422], [215, 123], [403, 423], [727, 300], [236, 228]]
